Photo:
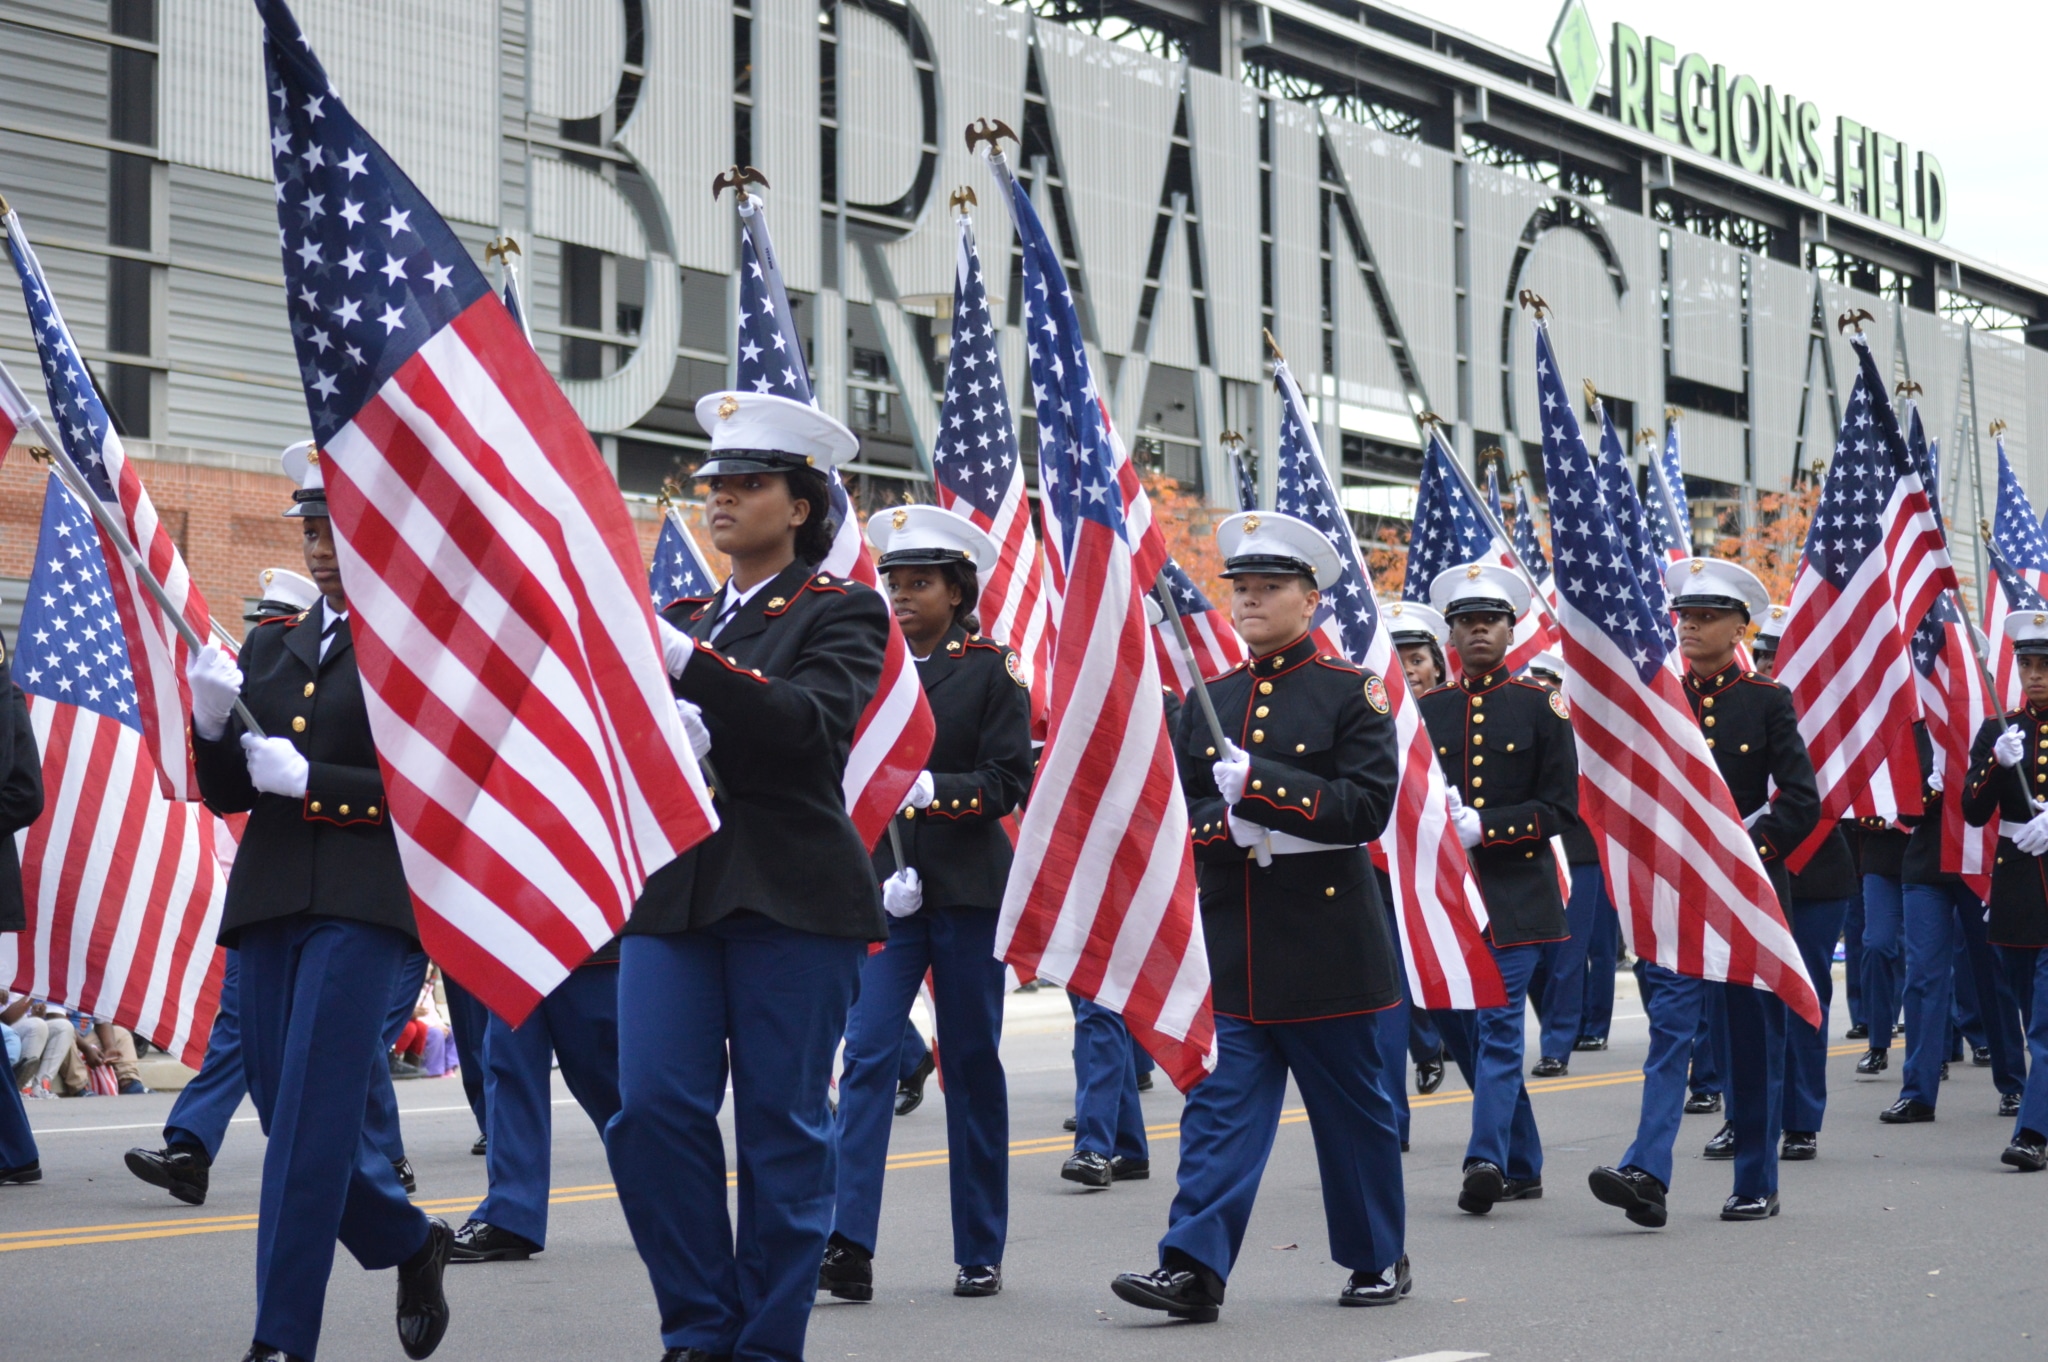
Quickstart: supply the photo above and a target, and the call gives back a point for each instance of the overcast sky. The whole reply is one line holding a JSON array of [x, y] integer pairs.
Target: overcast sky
[[1957, 78]]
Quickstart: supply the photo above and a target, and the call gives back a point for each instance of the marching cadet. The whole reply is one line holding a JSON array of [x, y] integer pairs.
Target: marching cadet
[[1822, 894], [21, 803], [1505, 745], [318, 908], [1298, 952], [1754, 736], [2005, 785], [750, 945], [943, 902]]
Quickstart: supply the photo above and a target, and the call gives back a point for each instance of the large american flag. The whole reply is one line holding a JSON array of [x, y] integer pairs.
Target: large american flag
[[123, 891], [2019, 570], [679, 568], [82, 423], [1670, 515], [894, 737], [1957, 703], [1101, 896], [978, 473], [1442, 913], [1625, 514], [1874, 562], [1684, 874], [535, 768], [1211, 635]]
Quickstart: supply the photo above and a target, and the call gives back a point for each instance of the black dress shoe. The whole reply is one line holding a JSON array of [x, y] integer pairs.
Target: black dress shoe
[[1547, 1067], [1088, 1168], [22, 1174], [1799, 1146], [1070, 1124], [1522, 1189], [1874, 1061], [1145, 1081], [1590, 1043], [422, 1304], [1944, 1071], [848, 1270], [1722, 1146], [478, 1242], [1184, 1291], [910, 1092], [1484, 1185], [406, 1178], [694, 1355], [1639, 1195], [1980, 1056], [1429, 1074], [1898, 1029], [1750, 1207], [258, 1353], [482, 1145], [1122, 1169], [1702, 1103], [2008, 1104], [2028, 1152], [1906, 1111], [981, 1279], [180, 1170], [1857, 1032], [1378, 1288]]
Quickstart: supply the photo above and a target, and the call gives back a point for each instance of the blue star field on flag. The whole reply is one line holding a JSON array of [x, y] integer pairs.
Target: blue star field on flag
[[1247, 481], [2016, 536], [975, 455], [1669, 512], [1930, 640], [1527, 545], [1625, 511], [1926, 456], [80, 418], [1303, 489], [69, 647], [2019, 593], [1596, 573], [1493, 502], [678, 571], [371, 271], [771, 357], [1449, 530], [1846, 527], [1188, 598]]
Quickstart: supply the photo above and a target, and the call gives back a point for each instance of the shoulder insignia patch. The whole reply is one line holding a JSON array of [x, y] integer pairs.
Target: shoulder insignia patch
[[1376, 693], [1557, 705], [1014, 665]]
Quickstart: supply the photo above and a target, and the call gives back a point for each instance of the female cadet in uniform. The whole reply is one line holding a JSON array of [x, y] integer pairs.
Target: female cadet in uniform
[[943, 903], [21, 803], [750, 944], [317, 905]]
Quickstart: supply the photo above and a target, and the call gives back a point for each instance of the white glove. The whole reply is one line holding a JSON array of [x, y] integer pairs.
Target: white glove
[[1761, 810], [275, 766], [677, 647], [1934, 781], [1470, 829], [693, 724], [2010, 747], [921, 791], [1244, 834], [1453, 800], [1231, 771], [216, 684], [902, 893], [2032, 839]]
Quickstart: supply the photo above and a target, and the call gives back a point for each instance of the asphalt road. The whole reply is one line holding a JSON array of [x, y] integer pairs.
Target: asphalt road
[[1908, 1242]]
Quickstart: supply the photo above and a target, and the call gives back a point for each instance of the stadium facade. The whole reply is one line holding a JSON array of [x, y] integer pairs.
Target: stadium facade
[[1374, 188]]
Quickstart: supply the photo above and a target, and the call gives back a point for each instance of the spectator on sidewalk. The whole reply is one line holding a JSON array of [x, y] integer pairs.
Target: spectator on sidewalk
[[101, 1043], [46, 1039]]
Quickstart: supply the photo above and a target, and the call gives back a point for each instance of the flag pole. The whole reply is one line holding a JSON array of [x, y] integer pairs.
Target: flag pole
[[112, 528], [1164, 594]]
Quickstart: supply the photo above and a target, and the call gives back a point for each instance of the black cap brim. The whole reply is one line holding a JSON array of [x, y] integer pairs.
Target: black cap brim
[[309, 502], [1268, 565], [2030, 647], [921, 558], [729, 462], [1479, 605], [1711, 603]]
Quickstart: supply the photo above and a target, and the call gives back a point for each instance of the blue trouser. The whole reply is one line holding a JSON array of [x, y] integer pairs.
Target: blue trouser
[[200, 1116], [1934, 915], [1563, 966], [1852, 958], [1503, 1123], [1884, 966], [1424, 1040], [579, 1024], [1710, 1046], [1966, 1019], [912, 1053], [17, 1140], [1673, 1004], [470, 1020], [1603, 948], [958, 946], [1756, 1084], [1997, 1009], [1816, 926], [405, 997], [1231, 1117], [776, 998], [1107, 1116], [2026, 973], [1395, 1027], [314, 994]]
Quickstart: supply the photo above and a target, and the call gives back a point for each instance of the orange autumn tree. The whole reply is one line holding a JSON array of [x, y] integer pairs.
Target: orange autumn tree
[[1772, 546], [1188, 524]]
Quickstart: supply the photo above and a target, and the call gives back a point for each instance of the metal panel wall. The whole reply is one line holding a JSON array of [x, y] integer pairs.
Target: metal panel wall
[[1706, 310], [1112, 112], [1934, 360], [1781, 315], [1172, 338], [1223, 124], [54, 82], [577, 48], [1499, 207], [2033, 429], [1597, 335], [1402, 194], [1881, 332], [880, 112], [1297, 238], [1367, 375], [681, 132], [569, 203], [1711, 446], [785, 129]]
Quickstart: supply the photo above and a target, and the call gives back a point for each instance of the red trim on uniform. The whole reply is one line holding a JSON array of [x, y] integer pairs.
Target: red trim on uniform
[[932, 810], [706, 650], [348, 821], [1308, 813], [1327, 1016]]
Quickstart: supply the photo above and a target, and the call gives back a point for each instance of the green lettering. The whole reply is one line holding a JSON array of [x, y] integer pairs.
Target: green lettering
[[1782, 147], [1933, 196], [1749, 126], [1879, 199], [1696, 104], [1851, 171], [1630, 103], [1813, 172], [1663, 95], [1909, 199]]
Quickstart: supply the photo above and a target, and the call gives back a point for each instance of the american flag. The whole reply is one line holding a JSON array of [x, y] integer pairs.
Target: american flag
[[978, 473], [894, 737], [1670, 516], [2018, 550], [1685, 877], [82, 423], [1247, 481], [1449, 530], [123, 891], [1874, 559], [1442, 914], [1211, 635], [14, 415], [535, 768], [1528, 544], [1957, 703], [680, 568], [1625, 514], [1101, 896]]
